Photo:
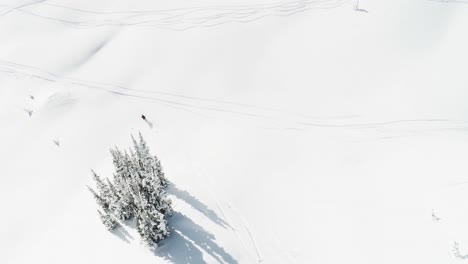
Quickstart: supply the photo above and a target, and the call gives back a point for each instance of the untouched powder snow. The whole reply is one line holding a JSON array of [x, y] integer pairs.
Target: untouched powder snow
[[292, 132]]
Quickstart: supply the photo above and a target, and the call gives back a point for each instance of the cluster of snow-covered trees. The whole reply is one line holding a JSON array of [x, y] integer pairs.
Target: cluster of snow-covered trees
[[137, 191]]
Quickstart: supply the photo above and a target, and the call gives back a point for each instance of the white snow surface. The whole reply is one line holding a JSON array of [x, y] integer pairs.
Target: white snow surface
[[292, 132]]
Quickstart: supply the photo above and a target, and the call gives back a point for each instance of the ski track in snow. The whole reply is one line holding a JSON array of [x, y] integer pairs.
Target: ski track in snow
[[179, 19], [248, 230], [210, 16], [288, 120], [451, 1], [9, 9], [229, 222], [31, 72]]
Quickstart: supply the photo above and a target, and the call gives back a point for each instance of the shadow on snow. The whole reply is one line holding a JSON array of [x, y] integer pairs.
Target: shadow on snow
[[186, 242], [123, 234], [196, 204]]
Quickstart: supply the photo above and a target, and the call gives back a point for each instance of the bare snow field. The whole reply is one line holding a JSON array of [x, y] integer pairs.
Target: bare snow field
[[323, 131]]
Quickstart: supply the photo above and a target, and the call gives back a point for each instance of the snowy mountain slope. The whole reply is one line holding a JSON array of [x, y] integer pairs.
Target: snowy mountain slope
[[297, 135]]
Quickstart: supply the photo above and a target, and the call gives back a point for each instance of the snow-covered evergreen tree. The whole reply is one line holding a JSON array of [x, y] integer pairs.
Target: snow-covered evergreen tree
[[136, 191], [109, 222], [98, 198], [103, 190], [160, 173], [151, 226]]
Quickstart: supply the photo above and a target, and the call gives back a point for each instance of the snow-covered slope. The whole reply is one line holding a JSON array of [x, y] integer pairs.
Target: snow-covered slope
[[293, 132]]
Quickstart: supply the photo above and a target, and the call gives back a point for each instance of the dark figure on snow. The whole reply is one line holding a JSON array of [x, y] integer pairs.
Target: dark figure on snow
[[147, 122]]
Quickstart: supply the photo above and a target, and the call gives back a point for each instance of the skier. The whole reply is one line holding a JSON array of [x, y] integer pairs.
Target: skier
[[147, 122]]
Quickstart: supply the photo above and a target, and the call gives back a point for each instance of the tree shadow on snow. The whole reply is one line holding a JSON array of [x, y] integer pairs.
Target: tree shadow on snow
[[122, 233], [196, 204], [186, 242]]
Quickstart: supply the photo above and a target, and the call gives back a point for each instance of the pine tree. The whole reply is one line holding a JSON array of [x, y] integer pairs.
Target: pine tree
[[159, 225], [108, 221], [152, 226], [159, 172], [98, 198], [136, 191], [103, 190], [151, 163]]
